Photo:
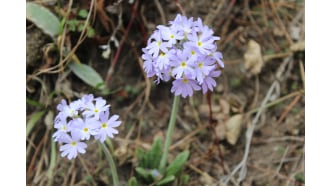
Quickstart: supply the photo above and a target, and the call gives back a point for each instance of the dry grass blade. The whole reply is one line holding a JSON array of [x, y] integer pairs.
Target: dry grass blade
[[288, 108], [242, 166]]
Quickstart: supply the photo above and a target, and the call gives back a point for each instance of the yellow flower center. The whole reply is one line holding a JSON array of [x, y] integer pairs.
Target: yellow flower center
[[193, 52], [161, 55], [72, 111], [183, 64], [63, 128], [96, 110], [200, 65], [73, 143], [199, 43], [158, 43], [85, 129], [171, 36], [104, 125], [185, 81]]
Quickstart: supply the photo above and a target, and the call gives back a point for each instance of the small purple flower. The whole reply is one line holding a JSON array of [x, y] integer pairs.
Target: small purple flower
[[184, 87], [62, 129], [163, 60], [148, 64], [181, 66], [204, 66], [157, 44], [84, 128], [203, 41], [94, 109], [106, 126], [209, 82], [169, 35], [182, 25], [72, 146], [70, 110], [218, 57], [86, 99]]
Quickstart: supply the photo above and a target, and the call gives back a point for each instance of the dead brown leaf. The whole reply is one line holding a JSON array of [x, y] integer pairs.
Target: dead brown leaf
[[253, 61], [233, 128]]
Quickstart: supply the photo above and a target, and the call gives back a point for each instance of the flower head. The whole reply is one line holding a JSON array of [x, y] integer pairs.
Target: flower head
[[80, 120], [185, 51]]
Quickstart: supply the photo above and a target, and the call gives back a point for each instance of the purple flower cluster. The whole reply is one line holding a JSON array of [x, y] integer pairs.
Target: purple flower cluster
[[185, 51], [80, 120]]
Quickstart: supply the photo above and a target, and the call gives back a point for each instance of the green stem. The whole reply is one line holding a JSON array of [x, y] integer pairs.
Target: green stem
[[50, 173], [112, 165], [169, 133]]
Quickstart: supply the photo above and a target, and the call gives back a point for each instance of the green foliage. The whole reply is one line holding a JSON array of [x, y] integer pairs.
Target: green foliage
[[185, 179], [177, 163], [132, 182], [132, 91], [166, 180], [33, 120], [43, 18], [83, 13], [88, 75], [300, 177], [147, 170], [34, 103], [90, 32], [77, 23], [294, 86], [152, 157], [235, 82]]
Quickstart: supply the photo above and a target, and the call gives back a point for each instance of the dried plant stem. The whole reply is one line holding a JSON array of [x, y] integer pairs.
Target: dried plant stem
[[161, 11], [180, 7], [288, 109], [169, 133], [242, 166], [112, 165], [116, 57], [281, 99], [60, 66]]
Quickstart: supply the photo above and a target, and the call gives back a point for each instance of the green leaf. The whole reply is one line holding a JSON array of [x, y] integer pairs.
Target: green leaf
[[140, 155], [72, 24], [151, 158], [177, 163], [83, 13], [154, 155], [166, 180], [300, 177], [185, 179], [88, 75], [90, 32], [43, 18], [34, 103], [143, 173], [33, 120], [81, 27], [132, 182]]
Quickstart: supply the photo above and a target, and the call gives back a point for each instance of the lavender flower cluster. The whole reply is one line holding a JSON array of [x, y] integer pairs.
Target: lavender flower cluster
[[80, 120], [185, 51]]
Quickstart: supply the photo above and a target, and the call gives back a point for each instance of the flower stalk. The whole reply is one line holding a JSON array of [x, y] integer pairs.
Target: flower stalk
[[169, 133], [112, 165]]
